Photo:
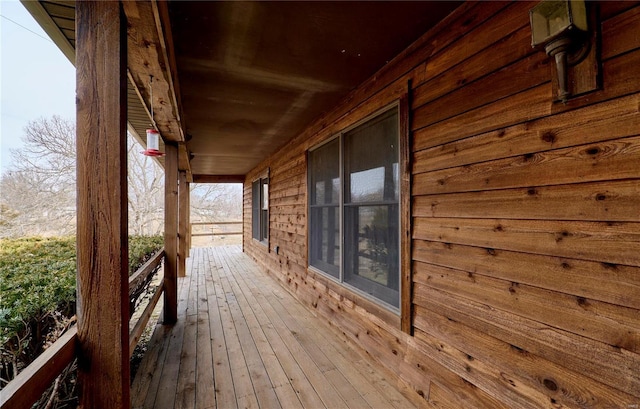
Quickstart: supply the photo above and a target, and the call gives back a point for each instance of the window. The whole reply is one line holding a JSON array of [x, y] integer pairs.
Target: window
[[354, 187], [324, 208], [260, 209]]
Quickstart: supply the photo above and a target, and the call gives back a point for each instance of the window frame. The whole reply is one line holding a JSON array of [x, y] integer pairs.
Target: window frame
[[310, 206], [260, 209], [377, 302]]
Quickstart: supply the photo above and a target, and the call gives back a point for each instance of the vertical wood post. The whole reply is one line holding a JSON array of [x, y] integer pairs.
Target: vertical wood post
[[170, 233], [183, 211], [406, 275], [188, 219], [102, 249]]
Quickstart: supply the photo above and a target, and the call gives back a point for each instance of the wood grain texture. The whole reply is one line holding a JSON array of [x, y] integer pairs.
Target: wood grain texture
[[605, 161], [146, 45], [526, 73], [152, 70], [518, 366], [170, 233], [610, 365], [607, 242], [588, 318], [614, 284], [621, 33], [524, 220], [406, 282], [183, 221], [249, 343], [218, 178], [613, 119], [102, 240], [598, 201]]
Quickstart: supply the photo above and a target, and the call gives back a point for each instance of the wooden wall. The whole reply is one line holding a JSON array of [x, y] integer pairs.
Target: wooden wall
[[526, 233]]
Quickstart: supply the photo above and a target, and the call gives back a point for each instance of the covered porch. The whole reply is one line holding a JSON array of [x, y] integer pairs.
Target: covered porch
[[241, 340], [515, 239]]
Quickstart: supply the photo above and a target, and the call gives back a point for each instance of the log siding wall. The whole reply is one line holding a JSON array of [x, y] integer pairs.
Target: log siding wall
[[525, 219]]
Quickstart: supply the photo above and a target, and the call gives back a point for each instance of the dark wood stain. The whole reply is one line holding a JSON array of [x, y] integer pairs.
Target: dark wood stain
[[561, 258]]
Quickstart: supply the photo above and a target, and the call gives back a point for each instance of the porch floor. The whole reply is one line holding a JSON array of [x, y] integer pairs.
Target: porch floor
[[242, 341]]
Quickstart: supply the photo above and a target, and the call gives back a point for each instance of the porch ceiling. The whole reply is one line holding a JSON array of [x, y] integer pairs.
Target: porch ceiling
[[249, 76], [253, 74]]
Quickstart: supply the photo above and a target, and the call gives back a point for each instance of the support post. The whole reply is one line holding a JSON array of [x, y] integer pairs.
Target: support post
[[102, 248], [170, 233], [189, 220], [406, 273], [183, 211]]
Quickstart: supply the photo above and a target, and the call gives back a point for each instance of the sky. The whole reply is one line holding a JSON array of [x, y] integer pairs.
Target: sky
[[36, 79]]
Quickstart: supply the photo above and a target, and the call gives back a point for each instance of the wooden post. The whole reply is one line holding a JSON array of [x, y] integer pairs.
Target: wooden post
[[406, 275], [183, 211], [102, 249], [188, 219], [170, 233]]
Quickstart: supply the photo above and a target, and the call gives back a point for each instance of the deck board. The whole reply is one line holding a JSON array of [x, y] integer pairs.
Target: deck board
[[242, 341]]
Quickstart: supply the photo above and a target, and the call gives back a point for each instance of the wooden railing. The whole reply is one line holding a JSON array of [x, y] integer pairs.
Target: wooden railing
[[137, 280], [33, 381], [30, 384], [216, 224]]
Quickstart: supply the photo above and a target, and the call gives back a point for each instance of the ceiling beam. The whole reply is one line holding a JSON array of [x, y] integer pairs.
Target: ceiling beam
[[218, 178], [163, 24], [153, 71]]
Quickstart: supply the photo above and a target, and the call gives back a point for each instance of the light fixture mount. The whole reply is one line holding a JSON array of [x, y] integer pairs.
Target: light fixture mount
[[560, 27]]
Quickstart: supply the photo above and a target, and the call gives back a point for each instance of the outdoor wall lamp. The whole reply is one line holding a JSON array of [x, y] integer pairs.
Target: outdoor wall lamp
[[560, 26]]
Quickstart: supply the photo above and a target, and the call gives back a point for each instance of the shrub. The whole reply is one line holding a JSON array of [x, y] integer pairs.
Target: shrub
[[37, 278], [141, 248], [38, 287]]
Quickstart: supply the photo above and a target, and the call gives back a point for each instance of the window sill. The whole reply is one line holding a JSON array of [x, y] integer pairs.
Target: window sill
[[390, 317], [263, 243]]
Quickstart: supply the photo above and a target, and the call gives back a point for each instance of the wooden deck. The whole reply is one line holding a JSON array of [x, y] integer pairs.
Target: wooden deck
[[242, 341]]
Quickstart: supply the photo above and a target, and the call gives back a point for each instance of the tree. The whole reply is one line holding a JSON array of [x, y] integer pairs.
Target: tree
[[146, 192], [39, 192], [216, 202]]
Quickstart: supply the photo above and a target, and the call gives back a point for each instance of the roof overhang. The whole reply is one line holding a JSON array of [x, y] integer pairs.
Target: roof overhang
[[232, 82]]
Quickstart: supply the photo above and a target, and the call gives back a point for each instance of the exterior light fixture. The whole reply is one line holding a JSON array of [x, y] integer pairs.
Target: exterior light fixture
[[153, 143], [560, 27]]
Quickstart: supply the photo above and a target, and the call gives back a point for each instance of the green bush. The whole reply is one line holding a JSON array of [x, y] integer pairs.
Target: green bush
[[38, 290], [37, 277], [141, 248]]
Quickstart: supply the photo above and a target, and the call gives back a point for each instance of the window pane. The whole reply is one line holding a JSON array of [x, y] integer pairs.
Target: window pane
[[325, 239], [371, 160], [265, 194], [324, 174], [264, 224], [372, 250], [255, 209], [324, 212]]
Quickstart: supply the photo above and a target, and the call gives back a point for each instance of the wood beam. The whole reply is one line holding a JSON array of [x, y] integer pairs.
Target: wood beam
[[151, 55], [102, 240], [406, 276], [183, 211], [189, 222], [165, 37], [170, 233], [218, 178]]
